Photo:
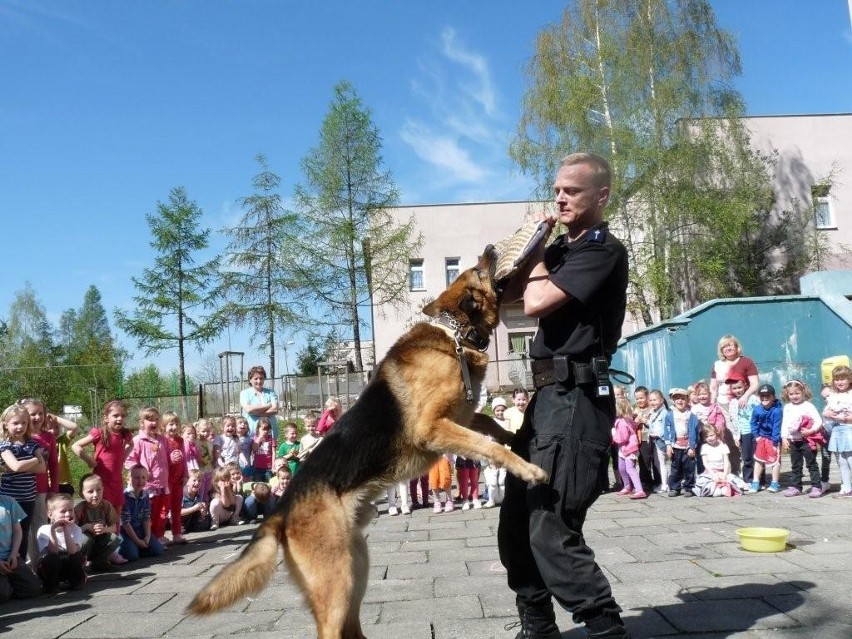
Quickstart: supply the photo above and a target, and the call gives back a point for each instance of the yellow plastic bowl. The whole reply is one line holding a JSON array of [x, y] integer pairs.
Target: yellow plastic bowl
[[763, 539]]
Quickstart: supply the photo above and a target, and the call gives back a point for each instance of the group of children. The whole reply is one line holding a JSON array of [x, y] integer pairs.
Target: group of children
[[171, 476], [698, 446]]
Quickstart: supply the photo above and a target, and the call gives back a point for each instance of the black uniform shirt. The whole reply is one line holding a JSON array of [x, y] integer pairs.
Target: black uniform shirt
[[593, 271]]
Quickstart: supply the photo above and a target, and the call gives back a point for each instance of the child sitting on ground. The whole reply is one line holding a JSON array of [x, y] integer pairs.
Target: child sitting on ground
[[194, 513], [60, 546], [99, 522], [260, 502], [716, 480], [136, 538], [226, 507]]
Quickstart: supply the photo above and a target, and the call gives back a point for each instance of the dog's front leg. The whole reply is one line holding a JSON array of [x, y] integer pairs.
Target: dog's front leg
[[487, 426], [447, 436]]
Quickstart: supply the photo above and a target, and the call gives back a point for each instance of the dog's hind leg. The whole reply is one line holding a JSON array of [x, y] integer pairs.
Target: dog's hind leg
[[360, 571], [320, 556]]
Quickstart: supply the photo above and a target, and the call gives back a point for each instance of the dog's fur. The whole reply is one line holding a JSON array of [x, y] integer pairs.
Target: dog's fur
[[412, 411]]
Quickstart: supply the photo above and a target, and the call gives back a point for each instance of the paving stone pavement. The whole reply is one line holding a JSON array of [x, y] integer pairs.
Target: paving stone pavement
[[675, 566]]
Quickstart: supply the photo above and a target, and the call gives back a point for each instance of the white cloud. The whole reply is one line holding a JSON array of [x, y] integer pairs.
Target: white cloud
[[442, 151], [481, 90]]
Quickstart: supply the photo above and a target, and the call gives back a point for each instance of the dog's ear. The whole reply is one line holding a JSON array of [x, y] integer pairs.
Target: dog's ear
[[431, 309]]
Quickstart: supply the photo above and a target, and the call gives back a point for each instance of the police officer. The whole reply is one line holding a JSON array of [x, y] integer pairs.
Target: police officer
[[577, 288]]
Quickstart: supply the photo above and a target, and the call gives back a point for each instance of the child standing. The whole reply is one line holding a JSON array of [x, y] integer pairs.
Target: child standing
[[263, 449], [655, 427], [63, 430], [112, 441], [178, 472], [467, 476], [441, 481], [244, 435], [150, 450], [766, 428], [23, 458], [16, 578], [801, 428], [680, 433], [495, 477], [99, 522], [838, 410], [648, 472], [624, 436], [311, 439], [207, 454], [709, 412], [290, 448], [60, 545], [515, 414], [740, 423], [47, 483], [228, 442]]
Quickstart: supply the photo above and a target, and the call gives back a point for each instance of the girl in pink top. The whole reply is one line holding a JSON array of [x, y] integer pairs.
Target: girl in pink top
[[47, 482], [151, 450], [112, 441], [625, 437]]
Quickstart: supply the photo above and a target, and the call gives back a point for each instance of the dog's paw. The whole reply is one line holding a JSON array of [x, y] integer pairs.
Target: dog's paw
[[535, 475]]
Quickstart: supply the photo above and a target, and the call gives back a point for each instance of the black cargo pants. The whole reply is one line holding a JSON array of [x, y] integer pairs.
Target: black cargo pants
[[567, 432]]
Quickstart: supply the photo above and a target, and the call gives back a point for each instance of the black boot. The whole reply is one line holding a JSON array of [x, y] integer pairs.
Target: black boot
[[606, 627], [536, 622]]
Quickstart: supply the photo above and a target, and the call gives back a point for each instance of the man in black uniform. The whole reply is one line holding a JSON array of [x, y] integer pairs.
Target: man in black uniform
[[577, 288]]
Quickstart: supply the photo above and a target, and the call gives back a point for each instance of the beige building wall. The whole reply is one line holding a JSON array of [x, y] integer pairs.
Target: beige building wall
[[810, 148]]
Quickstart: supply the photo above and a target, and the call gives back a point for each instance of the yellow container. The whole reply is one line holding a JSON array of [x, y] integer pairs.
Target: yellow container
[[763, 539], [828, 365]]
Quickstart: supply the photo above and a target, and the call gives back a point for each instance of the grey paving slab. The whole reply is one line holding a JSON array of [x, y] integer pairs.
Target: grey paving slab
[[674, 564]]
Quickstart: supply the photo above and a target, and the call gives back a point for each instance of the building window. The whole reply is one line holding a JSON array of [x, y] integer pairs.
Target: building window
[[823, 213], [519, 343], [452, 269], [415, 275]]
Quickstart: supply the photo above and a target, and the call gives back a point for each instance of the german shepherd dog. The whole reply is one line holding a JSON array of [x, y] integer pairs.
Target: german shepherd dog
[[417, 406]]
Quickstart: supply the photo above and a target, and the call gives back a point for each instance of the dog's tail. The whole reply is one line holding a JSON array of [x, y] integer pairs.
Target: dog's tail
[[247, 575]]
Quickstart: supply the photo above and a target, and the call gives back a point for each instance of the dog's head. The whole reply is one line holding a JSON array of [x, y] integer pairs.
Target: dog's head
[[472, 299]]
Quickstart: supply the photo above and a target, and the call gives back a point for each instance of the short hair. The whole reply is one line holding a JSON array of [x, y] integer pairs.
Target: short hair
[[255, 370], [260, 488], [285, 468], [170, 416], [600, 167], [54, 499], [708, 429], [149, 412], [87, 477], [729, 339], [227, 419], [310, 420], [194, 473], [137, 467]]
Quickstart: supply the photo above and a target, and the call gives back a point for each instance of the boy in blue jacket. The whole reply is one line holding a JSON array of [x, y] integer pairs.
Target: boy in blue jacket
[[681, 435], [766, 430]]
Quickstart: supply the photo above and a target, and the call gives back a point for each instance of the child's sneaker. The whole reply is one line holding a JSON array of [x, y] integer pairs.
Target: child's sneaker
[[792, 491], [674, 493], [774, 487], [477, 504], [639, 495], [490, 503], [405, 510], [448, 507], [466, 506], [816, 492], [437, 507], [624, 491], [117, 559], [392, 511], [826, 487], [755, 486]]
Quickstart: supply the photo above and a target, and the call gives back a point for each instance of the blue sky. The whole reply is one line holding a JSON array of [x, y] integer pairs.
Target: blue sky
[[107, 105]]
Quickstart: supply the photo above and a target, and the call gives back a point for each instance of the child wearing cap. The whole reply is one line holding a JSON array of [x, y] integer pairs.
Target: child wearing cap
[[495, 477], [681, 433], [739, 423], [766, 428]]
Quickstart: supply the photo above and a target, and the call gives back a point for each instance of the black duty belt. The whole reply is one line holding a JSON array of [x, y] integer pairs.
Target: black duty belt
[[561, 370]]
